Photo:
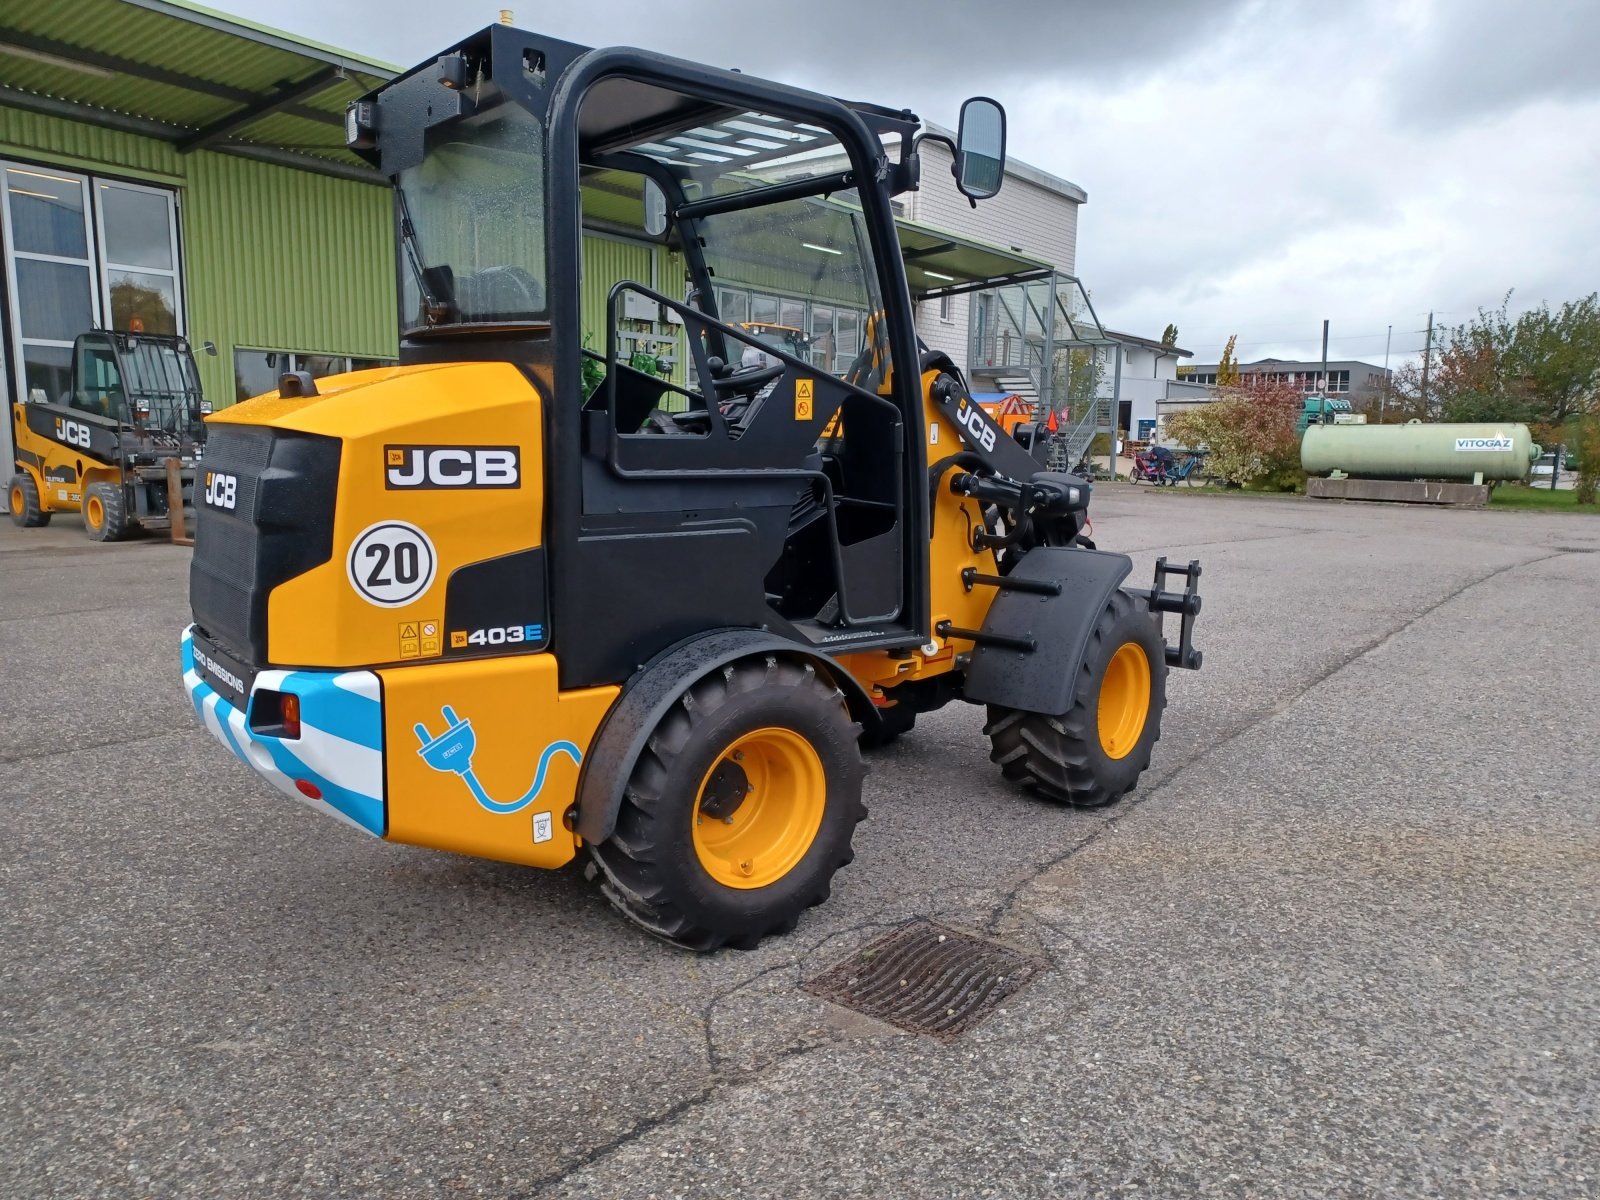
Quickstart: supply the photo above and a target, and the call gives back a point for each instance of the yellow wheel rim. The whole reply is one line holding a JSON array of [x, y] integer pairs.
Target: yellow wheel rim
[[94, 512], [17, 501], [757, 839], [1124, 700]]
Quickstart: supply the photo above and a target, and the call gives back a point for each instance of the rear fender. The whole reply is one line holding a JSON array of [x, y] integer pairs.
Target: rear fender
[[1058, 625], [655, 688]]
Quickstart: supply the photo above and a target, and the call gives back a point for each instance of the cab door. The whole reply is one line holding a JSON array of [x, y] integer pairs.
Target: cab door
[[97, 385]]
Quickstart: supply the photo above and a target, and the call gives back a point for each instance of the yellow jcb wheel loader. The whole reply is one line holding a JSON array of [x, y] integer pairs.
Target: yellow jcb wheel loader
[[104, 447], [464, 603]]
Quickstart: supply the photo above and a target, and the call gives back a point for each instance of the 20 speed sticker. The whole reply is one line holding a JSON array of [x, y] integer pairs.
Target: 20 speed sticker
[[391, 563]]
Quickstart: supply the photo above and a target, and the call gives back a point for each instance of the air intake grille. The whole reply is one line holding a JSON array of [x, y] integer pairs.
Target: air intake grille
[[281, 525]]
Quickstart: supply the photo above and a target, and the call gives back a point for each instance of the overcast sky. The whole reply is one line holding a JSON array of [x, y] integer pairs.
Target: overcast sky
[[1253, 166]]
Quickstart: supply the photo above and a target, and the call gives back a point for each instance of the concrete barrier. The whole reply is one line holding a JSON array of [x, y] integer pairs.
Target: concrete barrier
[[1464, 495]]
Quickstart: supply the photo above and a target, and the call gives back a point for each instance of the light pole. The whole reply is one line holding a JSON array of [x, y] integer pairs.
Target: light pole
[[1322, 416], [1383, 398]]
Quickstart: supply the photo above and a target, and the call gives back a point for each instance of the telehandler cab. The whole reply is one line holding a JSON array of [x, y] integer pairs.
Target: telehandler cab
[[466, 603], [104, 447]]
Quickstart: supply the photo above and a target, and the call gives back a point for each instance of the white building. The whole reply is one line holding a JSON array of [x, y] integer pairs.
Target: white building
[[999, 294], [1148, 366], [1033, 216]]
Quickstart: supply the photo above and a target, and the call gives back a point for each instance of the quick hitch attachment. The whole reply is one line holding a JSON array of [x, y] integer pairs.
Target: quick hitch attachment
[[1186, 603]]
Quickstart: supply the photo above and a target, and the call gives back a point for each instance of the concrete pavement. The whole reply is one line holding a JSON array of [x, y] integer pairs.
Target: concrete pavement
[[1339, 943]]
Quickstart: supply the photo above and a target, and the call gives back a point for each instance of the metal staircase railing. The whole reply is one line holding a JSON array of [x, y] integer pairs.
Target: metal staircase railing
[[1024, 332], [1070, 447], [1007, 346]]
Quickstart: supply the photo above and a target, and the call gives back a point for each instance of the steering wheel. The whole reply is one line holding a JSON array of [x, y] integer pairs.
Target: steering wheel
[[746, 381], [491, 287]]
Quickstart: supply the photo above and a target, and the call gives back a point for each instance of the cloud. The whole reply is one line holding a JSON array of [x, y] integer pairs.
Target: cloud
[[871, 51], [1478, 58], [1253, 166]]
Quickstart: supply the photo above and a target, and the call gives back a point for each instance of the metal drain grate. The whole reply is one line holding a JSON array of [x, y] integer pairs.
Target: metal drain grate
[[927, 979]]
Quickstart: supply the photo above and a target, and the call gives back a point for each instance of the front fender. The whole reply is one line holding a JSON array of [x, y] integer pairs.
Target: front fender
[[1041, 680]]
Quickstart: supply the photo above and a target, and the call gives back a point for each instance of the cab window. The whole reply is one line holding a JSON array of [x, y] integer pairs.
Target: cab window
[[97, 384]]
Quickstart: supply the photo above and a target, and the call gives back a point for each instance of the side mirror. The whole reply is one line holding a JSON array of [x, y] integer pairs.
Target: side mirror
[[210, 348], [981, 148]]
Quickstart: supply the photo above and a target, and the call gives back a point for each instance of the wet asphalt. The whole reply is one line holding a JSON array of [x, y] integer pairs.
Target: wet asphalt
[[1341, 942]]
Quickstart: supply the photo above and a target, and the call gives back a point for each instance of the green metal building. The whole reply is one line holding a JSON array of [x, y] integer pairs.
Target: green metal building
[[165, 167]]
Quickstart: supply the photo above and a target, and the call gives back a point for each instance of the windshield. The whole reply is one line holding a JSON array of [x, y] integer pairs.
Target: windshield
[[770, 234], [806, 263], [473, 222]]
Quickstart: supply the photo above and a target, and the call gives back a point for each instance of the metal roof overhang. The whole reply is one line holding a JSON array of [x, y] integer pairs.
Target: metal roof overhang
[[190, 76], [939, 263]]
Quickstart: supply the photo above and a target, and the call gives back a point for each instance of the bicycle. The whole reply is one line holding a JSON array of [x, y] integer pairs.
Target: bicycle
[[1189, 472]]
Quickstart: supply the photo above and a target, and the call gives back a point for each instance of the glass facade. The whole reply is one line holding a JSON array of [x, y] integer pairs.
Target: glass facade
[[830, 335], [82, 253]]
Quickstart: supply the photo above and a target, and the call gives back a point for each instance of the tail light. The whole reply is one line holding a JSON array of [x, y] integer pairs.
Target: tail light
[[276, 714]]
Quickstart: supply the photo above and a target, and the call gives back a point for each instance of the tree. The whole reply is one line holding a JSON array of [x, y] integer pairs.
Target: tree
[[141, 309], [1474, 377], [1468, 383], [1079, 373], [1404, 401], [1583, 441], [1227, 369], [1541, 368], [1249, 435], [1169, 336], [1558, 355]]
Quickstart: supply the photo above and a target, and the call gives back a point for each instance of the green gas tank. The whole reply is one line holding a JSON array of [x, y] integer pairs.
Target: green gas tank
[[1497, 451]]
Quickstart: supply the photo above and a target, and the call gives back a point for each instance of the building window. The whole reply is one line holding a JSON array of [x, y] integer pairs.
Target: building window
[[73, 265], [848, 343], [764, 310], [822, 337], [828, 337], [944, 308], [256, 372], [1338, 381], [138, 239], [733, 306]]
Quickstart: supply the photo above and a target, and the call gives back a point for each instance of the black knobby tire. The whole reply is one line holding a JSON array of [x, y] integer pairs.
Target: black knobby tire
[[1062, 756], [107, 502], [22, 500], [650, 868], [891, 723]]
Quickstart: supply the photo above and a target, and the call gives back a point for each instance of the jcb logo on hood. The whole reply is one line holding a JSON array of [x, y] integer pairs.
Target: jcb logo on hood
[[451, 466], [73, 433]]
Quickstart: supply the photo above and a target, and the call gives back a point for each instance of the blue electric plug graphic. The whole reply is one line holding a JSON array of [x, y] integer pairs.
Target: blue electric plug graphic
[[451, 753], [452, 749]]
